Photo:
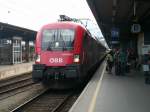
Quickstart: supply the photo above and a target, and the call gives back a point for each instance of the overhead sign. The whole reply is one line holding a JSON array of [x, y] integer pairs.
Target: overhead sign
[[115, 32], [136, 28], [115, 35], [114, 42], [145, 49]]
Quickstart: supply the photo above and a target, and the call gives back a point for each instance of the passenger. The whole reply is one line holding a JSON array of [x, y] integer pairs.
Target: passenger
[[132, 58], [146, 72], [116, 62], [122, 58], [110, 61], [128, 65], [120, 62]]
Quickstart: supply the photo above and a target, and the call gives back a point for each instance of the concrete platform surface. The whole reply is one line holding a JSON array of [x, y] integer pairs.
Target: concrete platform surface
[[87, 99], [111, 93], [123, 94], [7, 71]]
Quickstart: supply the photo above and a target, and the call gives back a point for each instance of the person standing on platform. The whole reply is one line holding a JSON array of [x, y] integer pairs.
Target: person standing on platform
[[110, 61], [116, 62], [147, 68], [128, 65], [122, 58], [120, 62]]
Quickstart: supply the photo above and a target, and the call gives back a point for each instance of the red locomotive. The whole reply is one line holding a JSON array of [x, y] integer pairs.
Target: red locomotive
[[65, 52]]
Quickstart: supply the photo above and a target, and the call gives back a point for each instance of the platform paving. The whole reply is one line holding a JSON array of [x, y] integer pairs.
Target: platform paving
[[110, 93], [126, 93]]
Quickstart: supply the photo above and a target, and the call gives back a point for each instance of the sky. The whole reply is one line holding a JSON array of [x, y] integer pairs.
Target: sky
[[33, 14]]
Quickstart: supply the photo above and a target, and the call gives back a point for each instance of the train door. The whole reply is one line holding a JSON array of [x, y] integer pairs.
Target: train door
[[17, 50]]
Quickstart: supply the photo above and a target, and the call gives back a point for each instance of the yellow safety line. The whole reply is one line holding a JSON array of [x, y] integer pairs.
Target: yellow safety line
[[93, 102]]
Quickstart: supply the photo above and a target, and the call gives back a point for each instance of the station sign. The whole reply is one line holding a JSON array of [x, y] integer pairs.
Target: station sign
[[114, 35], [115, 32], [136, 28]]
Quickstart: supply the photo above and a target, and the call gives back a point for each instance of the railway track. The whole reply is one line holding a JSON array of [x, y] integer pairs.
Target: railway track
[[46, 101], [49, 101], [16, 85], [14, 79]]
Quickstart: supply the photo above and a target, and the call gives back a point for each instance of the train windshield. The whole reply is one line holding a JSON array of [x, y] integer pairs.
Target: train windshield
[[58, 39]]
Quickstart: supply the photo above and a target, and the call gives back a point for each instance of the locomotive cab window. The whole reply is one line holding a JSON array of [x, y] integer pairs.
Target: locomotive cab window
[[58, 39]]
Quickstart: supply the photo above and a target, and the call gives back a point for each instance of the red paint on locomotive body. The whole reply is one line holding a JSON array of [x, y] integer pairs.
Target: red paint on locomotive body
[[67, 57], [56, 58]]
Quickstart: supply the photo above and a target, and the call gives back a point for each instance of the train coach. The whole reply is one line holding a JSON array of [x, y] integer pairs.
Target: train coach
[[65, 52]]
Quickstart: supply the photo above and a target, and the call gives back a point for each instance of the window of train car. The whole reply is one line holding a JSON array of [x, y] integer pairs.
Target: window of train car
[[58, 39]]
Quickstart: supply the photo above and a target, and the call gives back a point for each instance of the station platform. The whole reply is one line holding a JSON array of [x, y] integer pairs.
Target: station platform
[[110, 93], [7, 71]]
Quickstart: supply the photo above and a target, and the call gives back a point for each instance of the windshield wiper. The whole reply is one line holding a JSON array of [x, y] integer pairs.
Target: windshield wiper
[[64, 44], [50, 43], [49, 47]]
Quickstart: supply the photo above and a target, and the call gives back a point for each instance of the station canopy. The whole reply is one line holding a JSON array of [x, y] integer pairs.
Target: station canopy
[[8, 31], [120, 15]]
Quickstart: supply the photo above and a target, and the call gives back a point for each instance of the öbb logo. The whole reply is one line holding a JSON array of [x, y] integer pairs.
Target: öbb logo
[[55, 60]]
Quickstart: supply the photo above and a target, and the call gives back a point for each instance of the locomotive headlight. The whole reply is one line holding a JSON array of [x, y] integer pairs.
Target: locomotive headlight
[[37, 58], [76, 58]]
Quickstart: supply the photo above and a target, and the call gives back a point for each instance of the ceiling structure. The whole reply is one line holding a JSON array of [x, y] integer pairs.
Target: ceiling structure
[[120, 14]]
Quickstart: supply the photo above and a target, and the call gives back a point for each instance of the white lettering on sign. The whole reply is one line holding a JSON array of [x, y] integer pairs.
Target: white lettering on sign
[[55, 60]]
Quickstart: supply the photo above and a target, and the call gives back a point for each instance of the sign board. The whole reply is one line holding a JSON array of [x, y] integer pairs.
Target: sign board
[[115, 32], [114, 42], [145, 68], [145, 49], [136, 28]]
